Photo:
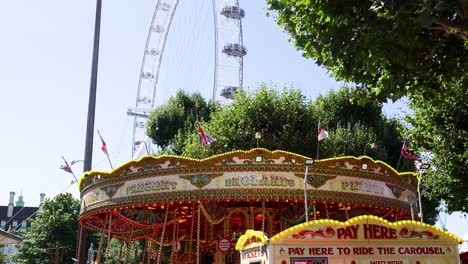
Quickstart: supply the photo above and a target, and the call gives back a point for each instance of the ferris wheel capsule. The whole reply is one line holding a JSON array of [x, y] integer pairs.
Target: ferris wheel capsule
[[235, 50], [228, 92], [234, 12], [157, 28], [147, 75], [152, 52], [165, 7]]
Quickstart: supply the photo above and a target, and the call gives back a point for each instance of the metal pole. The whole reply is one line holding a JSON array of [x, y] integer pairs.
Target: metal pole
[[419, 197], [88, 155], [412, 212], [215, 77], [305, 193], [365, 148]]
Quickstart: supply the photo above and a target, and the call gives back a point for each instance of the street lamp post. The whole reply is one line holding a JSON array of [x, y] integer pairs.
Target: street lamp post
[[137, 143], [258, 136], [372, 145], [307, 163], [73, 162], [421, 167]]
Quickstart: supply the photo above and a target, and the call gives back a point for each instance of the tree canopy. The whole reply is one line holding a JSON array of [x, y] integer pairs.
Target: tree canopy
[[442, 129], [389, 49], [52, 235], [288, 121], [173, 120]]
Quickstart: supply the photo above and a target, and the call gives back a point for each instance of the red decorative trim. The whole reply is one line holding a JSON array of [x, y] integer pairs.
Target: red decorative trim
[[406, 233], [327, 233]]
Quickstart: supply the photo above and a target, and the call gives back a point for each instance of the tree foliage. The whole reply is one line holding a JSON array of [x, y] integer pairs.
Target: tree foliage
[[2, 257], [441, 127], [288, 121], [120, 249], [391, 49], [388, 48], [52, 235], [173, 120]]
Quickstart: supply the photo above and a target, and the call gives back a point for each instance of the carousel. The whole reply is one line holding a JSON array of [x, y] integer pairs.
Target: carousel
[[184, 210]]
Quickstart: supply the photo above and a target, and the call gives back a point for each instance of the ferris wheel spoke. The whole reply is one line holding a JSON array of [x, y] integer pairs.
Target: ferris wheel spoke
[[228, 64]]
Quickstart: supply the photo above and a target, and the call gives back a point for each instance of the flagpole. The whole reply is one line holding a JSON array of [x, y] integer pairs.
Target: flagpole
[[110, 163], [71, 171], [318, 141], [105, 152], [399, 160]]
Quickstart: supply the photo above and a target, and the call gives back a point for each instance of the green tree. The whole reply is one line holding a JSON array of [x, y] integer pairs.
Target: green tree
[[388, 48], [354, 125], [391, 49], [171, 121], [2, 257], [118, 248], [284, 119], [441, 127], [287, 121], [52, 235]]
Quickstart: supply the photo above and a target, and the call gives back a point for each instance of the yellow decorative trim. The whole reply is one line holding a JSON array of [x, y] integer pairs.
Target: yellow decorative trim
[[248, 234], [362, 218], [152, 161], [208, 217]]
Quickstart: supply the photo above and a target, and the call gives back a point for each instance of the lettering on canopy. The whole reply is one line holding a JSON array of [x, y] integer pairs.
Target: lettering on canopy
[[150, 186], [259, 180], [365, 239]]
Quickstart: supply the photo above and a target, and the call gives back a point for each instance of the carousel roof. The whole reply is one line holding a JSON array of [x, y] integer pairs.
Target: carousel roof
[[244, 157]]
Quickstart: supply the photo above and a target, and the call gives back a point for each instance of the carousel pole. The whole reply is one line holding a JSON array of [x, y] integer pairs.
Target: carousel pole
[[127, 255], [162, 235], [145, 251], [326, 209], [174, 235], [263, 216], [109, 237], [120, 252], [99, 253], [191, 232], [315, 210], [198, 236], [135, 256]]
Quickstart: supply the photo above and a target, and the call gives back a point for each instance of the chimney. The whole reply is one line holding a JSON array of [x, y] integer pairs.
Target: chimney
[[11, 205], [42, 198]]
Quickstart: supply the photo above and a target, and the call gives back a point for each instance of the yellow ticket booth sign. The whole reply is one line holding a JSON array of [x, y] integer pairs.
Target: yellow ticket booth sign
[[360, 240]]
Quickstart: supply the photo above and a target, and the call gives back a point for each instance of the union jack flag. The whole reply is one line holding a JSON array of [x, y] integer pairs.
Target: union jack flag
[[407, 152], [66, 168], [205, 139]]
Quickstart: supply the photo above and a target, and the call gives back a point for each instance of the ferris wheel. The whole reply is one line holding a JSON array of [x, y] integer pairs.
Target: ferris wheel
[[228, 61]]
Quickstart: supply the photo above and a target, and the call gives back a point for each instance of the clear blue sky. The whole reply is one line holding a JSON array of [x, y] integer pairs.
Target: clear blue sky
[[45, 65]]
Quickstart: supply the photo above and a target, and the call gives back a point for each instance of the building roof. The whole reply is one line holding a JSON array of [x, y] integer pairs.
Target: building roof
[[19, 213], [9, 238]]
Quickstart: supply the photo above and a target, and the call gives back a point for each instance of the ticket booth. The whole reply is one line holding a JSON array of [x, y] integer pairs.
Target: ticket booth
[[253, 248], [360, 240]]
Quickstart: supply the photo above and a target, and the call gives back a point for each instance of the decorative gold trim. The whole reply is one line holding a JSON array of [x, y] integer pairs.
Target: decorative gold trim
[[200, 180]]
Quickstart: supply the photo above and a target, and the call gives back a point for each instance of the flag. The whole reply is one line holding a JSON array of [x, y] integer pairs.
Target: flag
[[322, 134], [104, 145], [205, 139], [407, 152], [66, 168]]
